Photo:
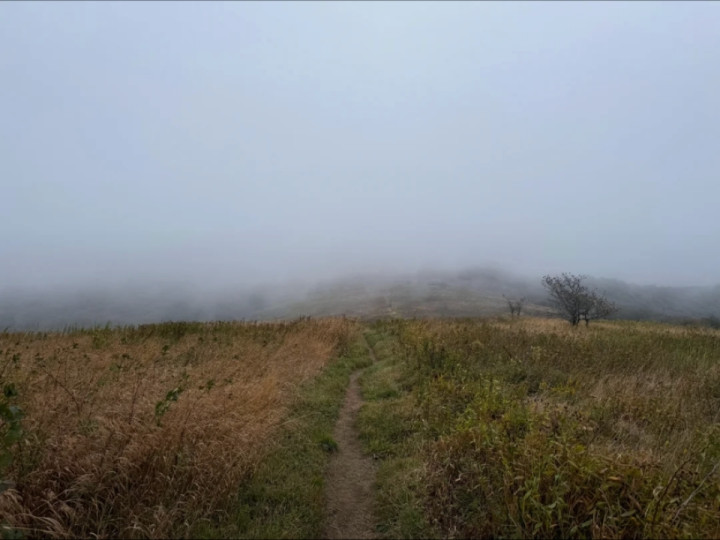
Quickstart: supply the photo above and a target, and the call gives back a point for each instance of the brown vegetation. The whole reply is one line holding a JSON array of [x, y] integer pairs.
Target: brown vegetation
[[141, 432]]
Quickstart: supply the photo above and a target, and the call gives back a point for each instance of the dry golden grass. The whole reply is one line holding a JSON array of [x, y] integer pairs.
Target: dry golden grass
[[141, 432], [562, 327]]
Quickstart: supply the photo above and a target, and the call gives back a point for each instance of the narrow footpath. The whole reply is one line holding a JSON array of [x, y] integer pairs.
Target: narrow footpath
[[351, 475]]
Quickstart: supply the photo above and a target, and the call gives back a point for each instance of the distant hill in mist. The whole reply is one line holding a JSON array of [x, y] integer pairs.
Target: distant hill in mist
[[467, 293], [478, 292]]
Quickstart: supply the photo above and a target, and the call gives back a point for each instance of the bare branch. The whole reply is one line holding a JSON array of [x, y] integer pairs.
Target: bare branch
[[577, 303]]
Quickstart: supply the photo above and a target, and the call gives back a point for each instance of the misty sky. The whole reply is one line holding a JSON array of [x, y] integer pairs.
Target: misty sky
[[242, 142]]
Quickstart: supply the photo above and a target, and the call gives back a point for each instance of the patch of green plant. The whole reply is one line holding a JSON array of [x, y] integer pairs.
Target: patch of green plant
[[163, 406], [389, 432], [328, 444], [399, 505], [101, 336]]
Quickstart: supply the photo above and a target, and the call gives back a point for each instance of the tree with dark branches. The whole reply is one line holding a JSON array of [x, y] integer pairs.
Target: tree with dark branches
[[575, 301], [515, 306]]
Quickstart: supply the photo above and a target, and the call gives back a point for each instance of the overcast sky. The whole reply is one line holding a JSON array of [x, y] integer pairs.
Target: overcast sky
[[242, 142]]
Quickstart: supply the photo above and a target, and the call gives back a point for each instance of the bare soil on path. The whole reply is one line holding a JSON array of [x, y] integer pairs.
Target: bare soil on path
[[351, 475]]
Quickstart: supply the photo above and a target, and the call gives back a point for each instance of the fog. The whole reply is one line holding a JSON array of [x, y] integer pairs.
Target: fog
[[243, 154]]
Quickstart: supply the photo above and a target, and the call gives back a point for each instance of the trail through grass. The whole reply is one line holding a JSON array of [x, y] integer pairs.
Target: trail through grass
[[479, 428], [351, 475], [285, 497]]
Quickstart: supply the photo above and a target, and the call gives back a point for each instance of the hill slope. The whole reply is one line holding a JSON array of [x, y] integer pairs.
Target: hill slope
[[467, 293]]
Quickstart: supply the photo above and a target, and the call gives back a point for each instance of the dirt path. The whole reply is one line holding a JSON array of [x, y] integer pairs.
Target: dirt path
[[351, 474]]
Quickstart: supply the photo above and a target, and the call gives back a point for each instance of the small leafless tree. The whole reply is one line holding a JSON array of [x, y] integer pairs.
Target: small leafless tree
[[515, 306], [575, 300]]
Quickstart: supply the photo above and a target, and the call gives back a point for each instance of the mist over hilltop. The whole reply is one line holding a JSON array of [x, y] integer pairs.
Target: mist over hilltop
[[467, 293], [235, 160]]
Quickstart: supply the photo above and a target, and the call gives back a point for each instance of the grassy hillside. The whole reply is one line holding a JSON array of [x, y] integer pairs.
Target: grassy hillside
[[147, 431], [530, 428], [468, 293], [485, 427], [436, 294]]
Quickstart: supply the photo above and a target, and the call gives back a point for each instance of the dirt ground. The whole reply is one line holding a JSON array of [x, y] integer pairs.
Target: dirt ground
[[351, 475]]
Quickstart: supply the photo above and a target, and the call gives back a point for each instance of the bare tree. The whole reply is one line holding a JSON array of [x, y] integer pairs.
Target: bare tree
[[575, 300], [515, 306]]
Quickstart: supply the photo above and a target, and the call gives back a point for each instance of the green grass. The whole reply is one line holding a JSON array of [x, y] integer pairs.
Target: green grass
[[490, 428], [389, 432], [284, 497]]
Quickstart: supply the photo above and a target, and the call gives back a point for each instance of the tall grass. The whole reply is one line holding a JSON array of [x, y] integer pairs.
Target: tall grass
[[147, 431], [532, 428], [285, 497]]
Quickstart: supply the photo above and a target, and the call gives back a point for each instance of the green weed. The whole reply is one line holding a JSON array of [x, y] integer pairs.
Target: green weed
[[534, 430]]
